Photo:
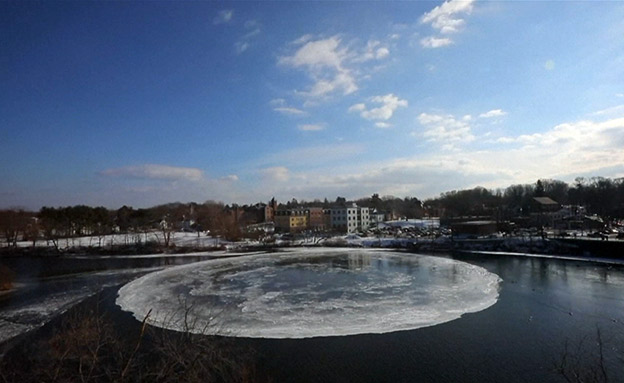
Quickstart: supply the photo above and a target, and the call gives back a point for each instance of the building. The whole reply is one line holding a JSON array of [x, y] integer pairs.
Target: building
[[350, 218], [376, 217], [316, 219], [542, 211], [291, 220], [544, 204]]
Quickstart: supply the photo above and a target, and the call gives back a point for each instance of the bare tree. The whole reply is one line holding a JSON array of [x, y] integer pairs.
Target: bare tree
[[583, 362], [13, 222]]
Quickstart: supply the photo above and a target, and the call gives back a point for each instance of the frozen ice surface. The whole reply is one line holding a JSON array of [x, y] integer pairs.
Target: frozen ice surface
[[304, 293]]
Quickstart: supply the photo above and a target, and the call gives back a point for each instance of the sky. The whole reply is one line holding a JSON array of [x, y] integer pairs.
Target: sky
[[143, 103]]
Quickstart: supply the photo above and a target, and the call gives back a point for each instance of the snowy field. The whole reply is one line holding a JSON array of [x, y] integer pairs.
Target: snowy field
[[177, 238]]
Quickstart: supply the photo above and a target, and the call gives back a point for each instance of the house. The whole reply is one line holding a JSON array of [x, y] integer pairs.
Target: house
[[542, 211], [544, 204]]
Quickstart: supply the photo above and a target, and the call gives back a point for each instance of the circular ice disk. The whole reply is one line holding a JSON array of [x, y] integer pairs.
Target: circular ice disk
[[310, 293]]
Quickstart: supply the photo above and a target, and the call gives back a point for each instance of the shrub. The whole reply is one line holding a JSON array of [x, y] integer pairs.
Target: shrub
[[6, 278]]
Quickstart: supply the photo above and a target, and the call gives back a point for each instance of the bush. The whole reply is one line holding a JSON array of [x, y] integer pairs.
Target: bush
[[6, 278], [86, 345]]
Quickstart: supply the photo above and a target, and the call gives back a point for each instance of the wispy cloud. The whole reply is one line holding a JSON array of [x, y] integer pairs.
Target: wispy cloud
[[333, 66], [374, 50], [229, 178], [563, 152], [290, 111], [223, 17], [254, 29], [313, 156], [618, 109], [311, 127], [157, 172], [241, 46], [280, 105], [388, 105]]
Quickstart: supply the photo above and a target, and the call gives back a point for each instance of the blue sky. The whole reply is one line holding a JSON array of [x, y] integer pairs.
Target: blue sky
[[140, 103]]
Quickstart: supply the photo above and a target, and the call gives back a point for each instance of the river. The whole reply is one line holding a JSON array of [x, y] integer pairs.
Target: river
[[546, 309]]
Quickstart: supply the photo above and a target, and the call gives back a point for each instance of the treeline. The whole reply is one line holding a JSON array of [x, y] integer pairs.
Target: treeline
[[598, 195], [54, 223], [602, 196]]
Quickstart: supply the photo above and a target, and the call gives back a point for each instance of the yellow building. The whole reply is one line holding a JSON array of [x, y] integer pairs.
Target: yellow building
[[291, 220]]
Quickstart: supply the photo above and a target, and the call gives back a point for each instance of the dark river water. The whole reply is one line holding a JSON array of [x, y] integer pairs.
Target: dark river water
[[543, 305]]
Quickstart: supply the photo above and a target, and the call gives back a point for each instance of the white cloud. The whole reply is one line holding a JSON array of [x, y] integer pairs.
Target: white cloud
[[153, 171], [383, 125], [343, 81], [493, 113], [324, 60], [223, 17], [435, 42], [381, 53], [318, 54], [290, 111], [445, 128], [357, 108], [333, 66], [311, 127], [276, 173], [445, 18], [374, 51], [562, 152], [549, 65], [389, 104]]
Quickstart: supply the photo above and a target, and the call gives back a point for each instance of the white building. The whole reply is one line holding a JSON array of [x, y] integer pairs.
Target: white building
[[350, 218]]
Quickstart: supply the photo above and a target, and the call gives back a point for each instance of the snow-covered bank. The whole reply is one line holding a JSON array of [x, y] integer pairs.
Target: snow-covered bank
[[182, 239]]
